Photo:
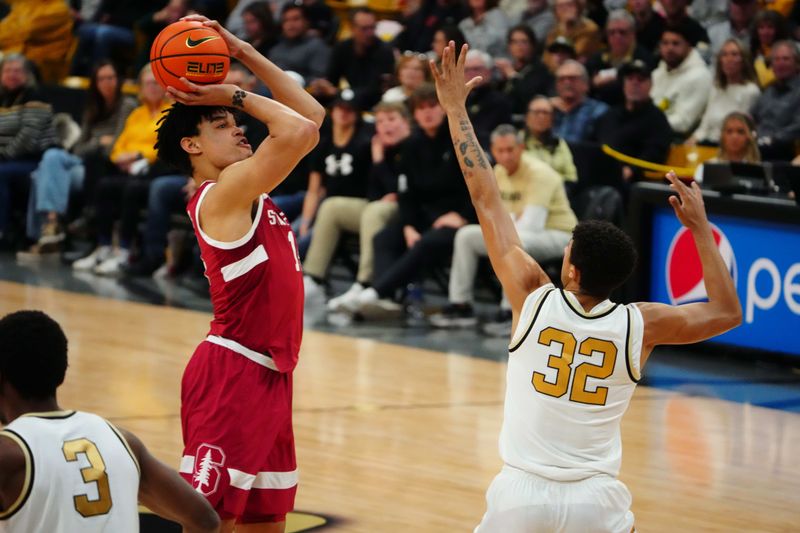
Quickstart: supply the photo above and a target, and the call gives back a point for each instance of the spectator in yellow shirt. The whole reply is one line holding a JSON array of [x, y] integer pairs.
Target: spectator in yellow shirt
[[42, 31], [535, 197]]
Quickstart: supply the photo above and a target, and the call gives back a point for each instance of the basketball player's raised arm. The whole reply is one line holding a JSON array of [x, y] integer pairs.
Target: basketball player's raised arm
[[168, 495], [518, 272], [284, 89], [685, 324]]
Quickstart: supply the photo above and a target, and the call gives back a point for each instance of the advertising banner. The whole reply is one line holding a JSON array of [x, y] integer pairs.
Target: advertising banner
[[764, 261]]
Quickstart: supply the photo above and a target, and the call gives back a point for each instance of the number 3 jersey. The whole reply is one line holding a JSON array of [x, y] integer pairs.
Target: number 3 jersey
[[256, 285], [80, 476], [570, 378]]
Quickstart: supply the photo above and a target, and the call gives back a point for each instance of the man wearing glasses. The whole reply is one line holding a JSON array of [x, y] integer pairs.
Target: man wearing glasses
[[622, 48], [575, 113]]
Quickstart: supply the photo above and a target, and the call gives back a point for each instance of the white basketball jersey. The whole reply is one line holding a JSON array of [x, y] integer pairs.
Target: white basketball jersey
[[570, 378], [81, 476]]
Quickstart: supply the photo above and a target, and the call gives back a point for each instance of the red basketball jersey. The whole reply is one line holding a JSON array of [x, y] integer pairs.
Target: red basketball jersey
[[256, 283]]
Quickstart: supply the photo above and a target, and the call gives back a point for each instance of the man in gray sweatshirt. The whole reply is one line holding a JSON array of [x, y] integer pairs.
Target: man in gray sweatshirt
[[297, 50]]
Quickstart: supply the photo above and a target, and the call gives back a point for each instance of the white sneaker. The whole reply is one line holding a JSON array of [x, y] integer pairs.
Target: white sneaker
[[347, 300], [370, 305], [161, 272], [314, 292], [111, 266], [100, 254]]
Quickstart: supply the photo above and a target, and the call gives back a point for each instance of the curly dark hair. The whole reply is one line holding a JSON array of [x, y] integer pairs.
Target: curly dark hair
[[604, 255], [33, 354], [181, 121]]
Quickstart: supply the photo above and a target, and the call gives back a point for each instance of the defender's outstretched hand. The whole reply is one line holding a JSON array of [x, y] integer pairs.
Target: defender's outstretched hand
[[688, 205], [235, 45], [449, 78]]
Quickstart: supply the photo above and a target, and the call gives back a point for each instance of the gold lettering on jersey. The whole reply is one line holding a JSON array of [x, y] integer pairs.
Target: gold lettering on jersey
[[562, 364], [277, 218], [598, 371], [94, 473]]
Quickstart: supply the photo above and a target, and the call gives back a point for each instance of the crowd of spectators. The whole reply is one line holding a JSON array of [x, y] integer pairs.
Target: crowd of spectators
[[559, 79]]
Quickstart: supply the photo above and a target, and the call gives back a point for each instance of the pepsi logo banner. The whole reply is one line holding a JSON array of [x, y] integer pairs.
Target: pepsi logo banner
[[763, 259]]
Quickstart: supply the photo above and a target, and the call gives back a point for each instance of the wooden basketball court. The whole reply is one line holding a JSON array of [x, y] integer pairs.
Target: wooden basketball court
[[397, 439]]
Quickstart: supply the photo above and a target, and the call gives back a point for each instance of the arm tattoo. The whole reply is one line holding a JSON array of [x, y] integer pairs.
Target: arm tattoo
[[463, 148], [238, 98], [470, 142]]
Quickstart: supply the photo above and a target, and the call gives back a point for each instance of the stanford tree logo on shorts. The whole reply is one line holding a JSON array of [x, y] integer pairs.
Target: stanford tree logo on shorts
[[207, 463]]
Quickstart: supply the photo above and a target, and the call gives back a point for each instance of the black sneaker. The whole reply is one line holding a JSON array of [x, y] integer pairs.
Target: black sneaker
[[455, 316], [143, 267], [500, 326]]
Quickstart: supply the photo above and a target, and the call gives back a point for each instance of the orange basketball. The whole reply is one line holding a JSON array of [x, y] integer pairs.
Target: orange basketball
[[189, 49]]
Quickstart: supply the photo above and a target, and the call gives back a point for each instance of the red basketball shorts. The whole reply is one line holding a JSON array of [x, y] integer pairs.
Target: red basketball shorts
[[236, 417]]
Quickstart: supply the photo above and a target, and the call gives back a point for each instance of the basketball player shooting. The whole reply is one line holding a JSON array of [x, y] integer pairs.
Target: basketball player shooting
[[575, 357], [236, 391]]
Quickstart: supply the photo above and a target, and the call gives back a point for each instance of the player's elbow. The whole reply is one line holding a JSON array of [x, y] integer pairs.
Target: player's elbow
[[726, 320], [317, 114], [734, 318], [306, 134], [484, 201], [730, 314], [206, 522]]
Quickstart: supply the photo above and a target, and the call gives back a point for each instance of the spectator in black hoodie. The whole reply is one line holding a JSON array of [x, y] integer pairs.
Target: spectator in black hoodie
[[524, 74], [362, 216], [636, 128], [364, 61], [422, 24], [433, 201]]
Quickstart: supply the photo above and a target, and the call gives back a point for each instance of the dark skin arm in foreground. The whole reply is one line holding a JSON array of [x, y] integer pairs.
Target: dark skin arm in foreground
[[168, 495], [161, 489], [12, 472]]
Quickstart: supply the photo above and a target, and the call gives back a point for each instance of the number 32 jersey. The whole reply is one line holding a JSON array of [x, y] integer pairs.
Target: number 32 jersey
[[256, 283], [80, 476], [570, 378]]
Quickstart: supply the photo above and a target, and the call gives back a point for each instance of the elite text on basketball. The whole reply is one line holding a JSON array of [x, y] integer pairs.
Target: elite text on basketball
[[201, 67]]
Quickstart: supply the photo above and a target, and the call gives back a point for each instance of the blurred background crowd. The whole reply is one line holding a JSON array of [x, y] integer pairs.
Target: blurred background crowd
[[580, 99]]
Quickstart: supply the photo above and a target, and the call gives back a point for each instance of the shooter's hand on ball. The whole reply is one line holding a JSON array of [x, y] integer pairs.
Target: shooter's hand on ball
[[236, 46]]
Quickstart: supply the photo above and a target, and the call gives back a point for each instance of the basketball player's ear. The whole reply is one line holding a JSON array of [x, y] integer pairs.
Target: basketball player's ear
[[190, 145], [573, 273]]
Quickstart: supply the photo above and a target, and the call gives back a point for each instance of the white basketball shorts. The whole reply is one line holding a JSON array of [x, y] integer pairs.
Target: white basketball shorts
[[521, 502]]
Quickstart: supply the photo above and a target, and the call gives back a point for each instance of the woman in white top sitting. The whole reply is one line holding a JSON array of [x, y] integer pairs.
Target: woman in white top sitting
[[737, 143], [734, 89], [412, 71]]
